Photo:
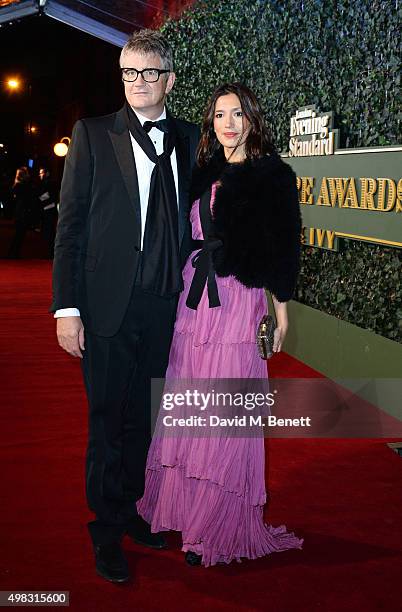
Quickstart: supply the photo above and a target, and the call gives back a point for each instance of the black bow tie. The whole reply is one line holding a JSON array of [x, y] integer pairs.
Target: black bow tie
[[161, 125]]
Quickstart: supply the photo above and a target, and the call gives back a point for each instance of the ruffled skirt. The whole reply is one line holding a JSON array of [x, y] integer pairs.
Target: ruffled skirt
[[212, 488]]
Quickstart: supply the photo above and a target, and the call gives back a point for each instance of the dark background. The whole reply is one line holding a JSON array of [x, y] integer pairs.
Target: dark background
[[66, 74]]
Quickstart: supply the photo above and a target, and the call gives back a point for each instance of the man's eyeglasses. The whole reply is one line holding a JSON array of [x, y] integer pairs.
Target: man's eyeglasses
[[150, 75]]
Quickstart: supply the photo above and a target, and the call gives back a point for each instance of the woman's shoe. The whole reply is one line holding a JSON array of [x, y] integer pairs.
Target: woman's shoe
[[192, 558]]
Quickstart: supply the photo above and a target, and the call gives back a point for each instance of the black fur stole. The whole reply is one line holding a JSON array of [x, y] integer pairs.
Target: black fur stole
[[256, 214]]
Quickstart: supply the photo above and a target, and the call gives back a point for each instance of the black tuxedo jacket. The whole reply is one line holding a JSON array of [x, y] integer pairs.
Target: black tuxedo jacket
[[99, 229]]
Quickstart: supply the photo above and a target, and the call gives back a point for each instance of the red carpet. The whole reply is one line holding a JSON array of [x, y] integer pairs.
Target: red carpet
[[33, 246], [343, 496]]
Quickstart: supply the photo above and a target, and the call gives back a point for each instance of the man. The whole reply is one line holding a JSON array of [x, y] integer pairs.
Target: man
[[24, 210], [122, 236], [48, 197]]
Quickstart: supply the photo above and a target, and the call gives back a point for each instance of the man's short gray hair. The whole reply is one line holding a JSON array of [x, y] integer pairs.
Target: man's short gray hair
[[150, 41]]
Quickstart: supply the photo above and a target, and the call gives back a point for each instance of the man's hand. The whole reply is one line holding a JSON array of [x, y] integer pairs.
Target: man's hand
[[70, 335]]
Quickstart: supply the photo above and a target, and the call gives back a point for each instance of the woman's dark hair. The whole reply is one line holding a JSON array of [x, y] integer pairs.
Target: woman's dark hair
[[259, 139]]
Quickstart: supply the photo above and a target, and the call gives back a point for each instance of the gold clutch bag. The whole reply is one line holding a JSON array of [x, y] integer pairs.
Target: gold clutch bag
[[265, 336]]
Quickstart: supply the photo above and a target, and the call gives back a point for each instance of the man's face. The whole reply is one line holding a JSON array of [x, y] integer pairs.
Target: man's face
[[42, 174], [146, 98]]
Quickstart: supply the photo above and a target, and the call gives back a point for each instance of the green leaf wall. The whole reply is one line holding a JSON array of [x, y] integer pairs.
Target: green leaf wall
[[343, 56]]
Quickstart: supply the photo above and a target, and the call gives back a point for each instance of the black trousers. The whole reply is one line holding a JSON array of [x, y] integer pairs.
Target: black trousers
[[117, 375], [21, 228]]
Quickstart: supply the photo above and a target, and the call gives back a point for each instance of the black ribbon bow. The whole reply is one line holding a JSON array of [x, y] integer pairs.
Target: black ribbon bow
[[202, 261]]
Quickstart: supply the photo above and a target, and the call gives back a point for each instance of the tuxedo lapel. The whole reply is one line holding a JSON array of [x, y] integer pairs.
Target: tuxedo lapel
[[123, 149], [121, 141], [183, 173]]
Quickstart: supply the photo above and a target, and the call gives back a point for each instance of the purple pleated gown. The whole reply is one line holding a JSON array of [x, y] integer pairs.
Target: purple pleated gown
[[212, 489]]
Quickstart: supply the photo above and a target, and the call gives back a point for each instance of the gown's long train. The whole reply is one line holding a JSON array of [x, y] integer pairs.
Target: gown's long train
[[212, 489]]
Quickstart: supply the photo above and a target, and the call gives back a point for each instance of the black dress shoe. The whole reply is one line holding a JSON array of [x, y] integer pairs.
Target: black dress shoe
[[111, 563], [192, 558], [140, 531]]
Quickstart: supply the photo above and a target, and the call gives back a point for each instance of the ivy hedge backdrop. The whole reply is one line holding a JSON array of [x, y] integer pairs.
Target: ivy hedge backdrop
[[342, 55]]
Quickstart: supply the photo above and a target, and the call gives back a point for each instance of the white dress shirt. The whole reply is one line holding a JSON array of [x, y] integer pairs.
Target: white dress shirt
[[144, 170]]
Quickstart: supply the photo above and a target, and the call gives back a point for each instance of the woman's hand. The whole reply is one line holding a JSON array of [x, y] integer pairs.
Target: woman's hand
[[281, 314], [279, 337]]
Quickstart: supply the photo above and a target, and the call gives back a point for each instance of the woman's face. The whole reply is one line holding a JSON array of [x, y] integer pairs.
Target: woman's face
[[230, 125]]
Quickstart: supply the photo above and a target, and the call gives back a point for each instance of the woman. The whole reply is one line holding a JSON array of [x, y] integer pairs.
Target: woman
[[23, 207], [246, 211]]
